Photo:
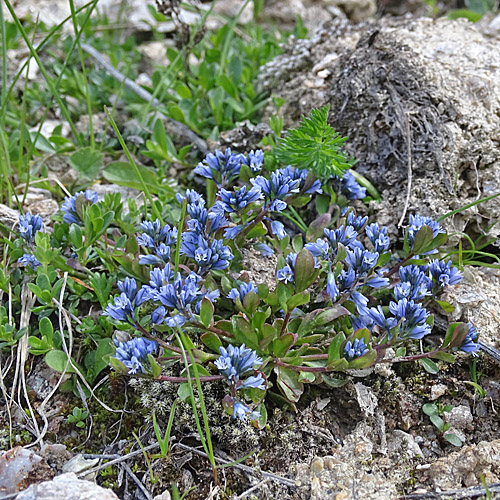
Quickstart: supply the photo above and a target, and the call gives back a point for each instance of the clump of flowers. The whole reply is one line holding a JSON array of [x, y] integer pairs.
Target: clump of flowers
[[340, 295], [29, 225]]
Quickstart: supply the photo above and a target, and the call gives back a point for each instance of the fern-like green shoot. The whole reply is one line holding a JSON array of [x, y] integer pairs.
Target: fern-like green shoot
[[316, 146]]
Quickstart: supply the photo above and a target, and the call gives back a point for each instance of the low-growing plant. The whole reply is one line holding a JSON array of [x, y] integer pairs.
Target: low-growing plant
[[436, 413], [78, 417]]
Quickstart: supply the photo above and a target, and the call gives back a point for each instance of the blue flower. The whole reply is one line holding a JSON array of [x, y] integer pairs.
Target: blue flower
[[237, 200], [344, 235], [263, 249], [133, 354], [416, 223], [443, 274], [376, 314], [346, 279], [278, 229], [28, 260], [363, 321], [154, 235], [378, 237], [182, 294], [320, 249], [207, 254], [378, 282], [310, 185], [254, 382], [356, 222], [254, 160], [355, 349], [242, 290], [286, 275], [29, 225], [69, 206], [350, 188], [158, 315], [361, 260], [240, 410], [276, 189], [331, 287], [235, 362], [420, 283], [413, 318], [124, 306], [360, 301], [232, 232], [220, 167], [470, 345], [160, 277]]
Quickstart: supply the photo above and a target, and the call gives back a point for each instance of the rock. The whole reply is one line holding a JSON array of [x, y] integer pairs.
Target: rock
[[164, 496], [19, 468], [437, 391], [476, 300], [56, 455], [348, 473], [466, 466], [66, 486], [79, 464], [433, 84], [403, 444], [460, 419], [8, 216]]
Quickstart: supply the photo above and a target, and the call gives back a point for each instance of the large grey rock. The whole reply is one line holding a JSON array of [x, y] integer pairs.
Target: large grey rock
[[406, 89], [67, 487]]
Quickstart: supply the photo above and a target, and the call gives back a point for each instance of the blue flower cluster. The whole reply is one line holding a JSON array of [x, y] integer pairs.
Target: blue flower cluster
[[234, 363], [124, 306], [70, 213], [158, 239], [356, 349], [220, 167], [134, 354], [280, 186], [29, 225], [241, 291], [350, 187]]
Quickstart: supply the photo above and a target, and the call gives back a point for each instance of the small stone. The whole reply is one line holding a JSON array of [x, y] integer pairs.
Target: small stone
[[437, 391], [66, 486], [79, 464], [164, 496], [317, 466]]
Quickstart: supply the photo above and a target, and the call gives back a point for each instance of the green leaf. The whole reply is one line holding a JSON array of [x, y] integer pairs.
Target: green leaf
[[57, 360], [317, 227], [446, 306], [261, 422], [437, 421], [206, 312], [282, 344], [105, 349], [429, 365], [443, 356], [250, 302], [46, 328], [334, 348], [86, 162], [288, 383], [364, 361], [304, 271], [212, 341], [123, 174], [284, 294], [459, 335], [423, 240], [155, 367], [430, 409], [298, 299], [306, 377], [453, 439]]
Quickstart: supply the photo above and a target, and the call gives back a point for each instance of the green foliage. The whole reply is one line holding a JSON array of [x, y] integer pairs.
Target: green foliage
[[314, 145], [436, 413], [78, 417]]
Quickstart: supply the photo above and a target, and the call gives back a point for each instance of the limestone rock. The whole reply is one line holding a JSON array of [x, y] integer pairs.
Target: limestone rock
[[66, 486], [402, 88], [466, 466]]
